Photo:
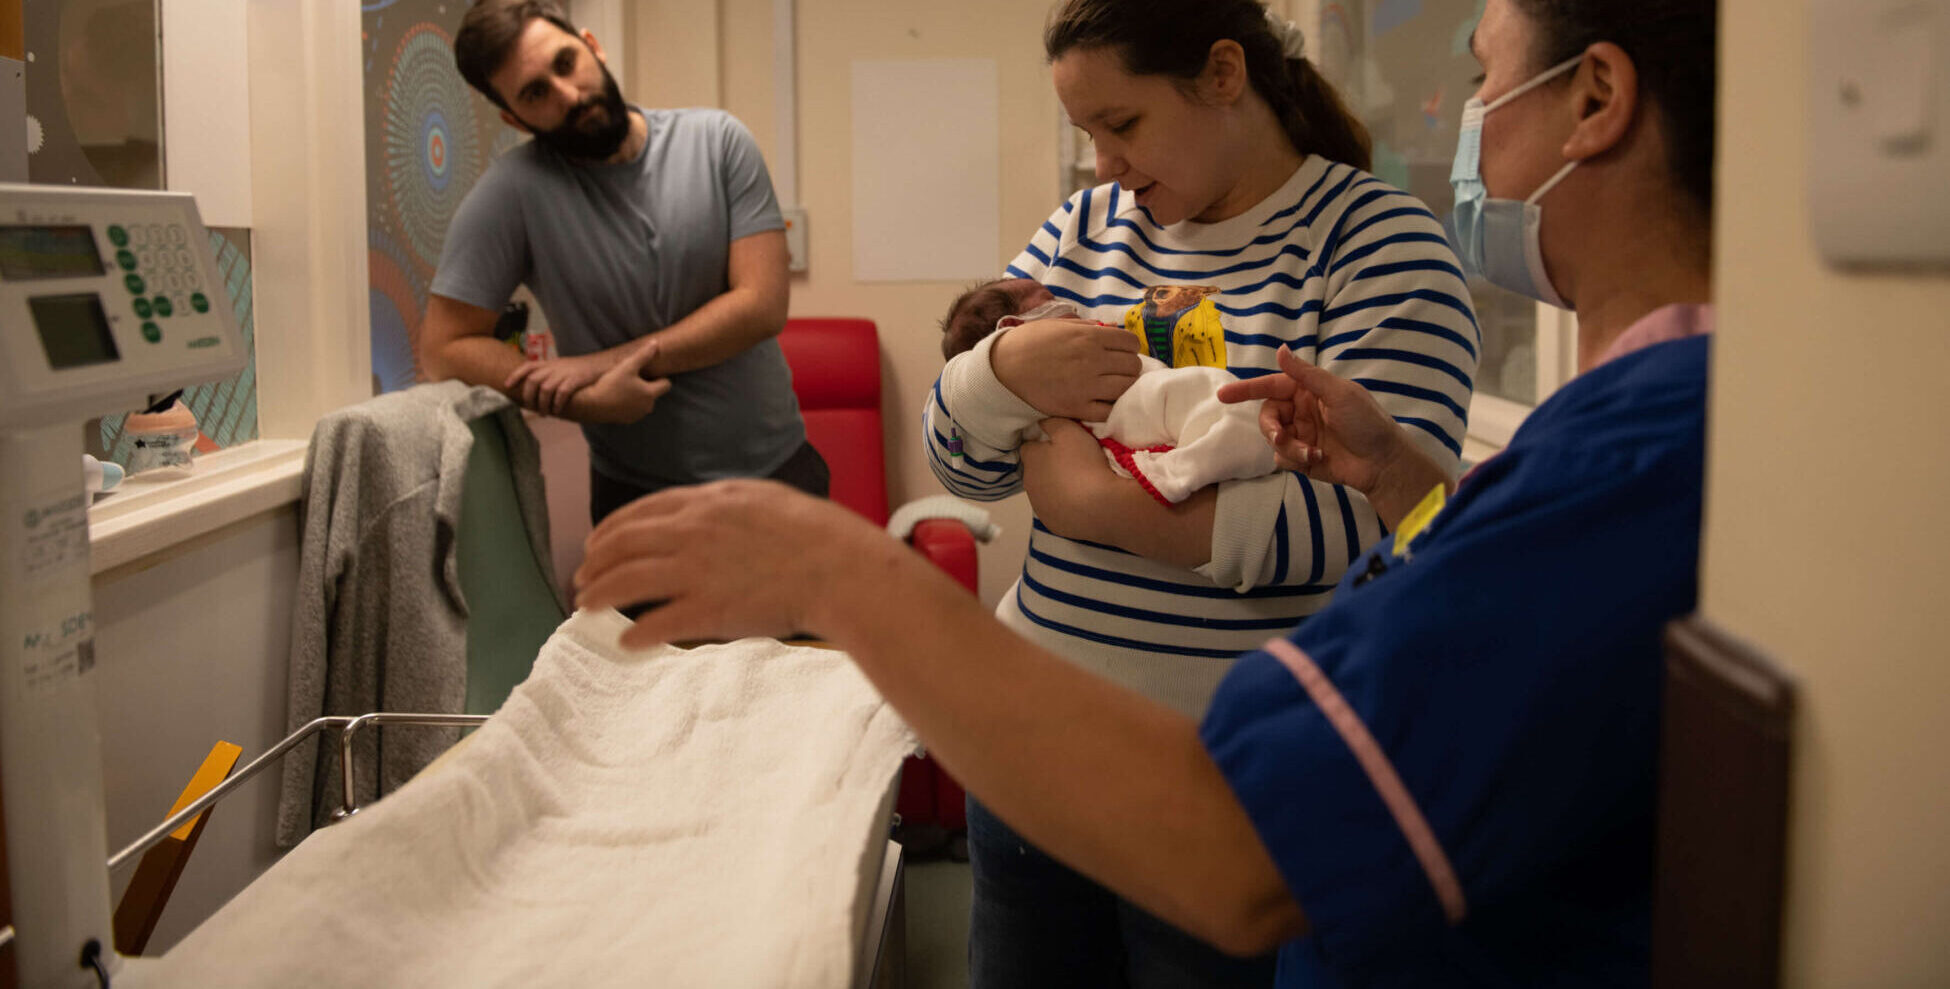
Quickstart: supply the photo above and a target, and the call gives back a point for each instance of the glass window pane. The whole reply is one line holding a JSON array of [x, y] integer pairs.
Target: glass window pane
[[1405, 68], [226, 411], [93, 93]]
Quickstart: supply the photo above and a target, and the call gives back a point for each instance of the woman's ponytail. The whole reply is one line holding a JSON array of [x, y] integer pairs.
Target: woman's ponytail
[[1314, 116]]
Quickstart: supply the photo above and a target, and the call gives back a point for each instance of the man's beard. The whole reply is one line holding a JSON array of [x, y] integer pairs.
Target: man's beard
[[570, 138]]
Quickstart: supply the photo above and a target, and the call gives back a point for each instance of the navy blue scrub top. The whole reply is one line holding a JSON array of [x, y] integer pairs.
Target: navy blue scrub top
[[1507, 672]]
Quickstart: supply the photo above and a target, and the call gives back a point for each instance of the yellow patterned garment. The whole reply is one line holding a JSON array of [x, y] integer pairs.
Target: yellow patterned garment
[[1180, 325]]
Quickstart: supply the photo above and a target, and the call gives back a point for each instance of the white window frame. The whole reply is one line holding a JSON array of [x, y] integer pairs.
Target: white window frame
[[1493, 420], [309, 279]]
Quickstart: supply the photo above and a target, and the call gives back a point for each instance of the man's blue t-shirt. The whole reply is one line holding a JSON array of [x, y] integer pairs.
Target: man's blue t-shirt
[[1507, 671]]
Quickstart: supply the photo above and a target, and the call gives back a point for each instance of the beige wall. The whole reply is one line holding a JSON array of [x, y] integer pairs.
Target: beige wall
[[719, 53], [1827, 543], [831, 35], [674, 52], [192, 644]]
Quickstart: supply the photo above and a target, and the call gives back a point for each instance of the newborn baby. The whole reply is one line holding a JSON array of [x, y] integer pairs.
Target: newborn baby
[[1168, 431]]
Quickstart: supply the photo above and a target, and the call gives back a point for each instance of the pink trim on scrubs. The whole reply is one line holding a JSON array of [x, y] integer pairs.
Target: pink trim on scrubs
[[1667, 323], [1401, 804]]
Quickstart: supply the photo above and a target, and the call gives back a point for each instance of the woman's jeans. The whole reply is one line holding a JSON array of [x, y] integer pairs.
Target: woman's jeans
[[1036, 922]]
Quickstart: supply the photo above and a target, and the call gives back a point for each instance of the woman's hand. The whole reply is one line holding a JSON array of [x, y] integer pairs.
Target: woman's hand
[[1068, 479], [1070, 368], [733, 559], [1332, 430]]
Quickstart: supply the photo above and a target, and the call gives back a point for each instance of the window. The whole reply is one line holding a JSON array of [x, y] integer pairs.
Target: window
[[1405, 69], [95, 118]]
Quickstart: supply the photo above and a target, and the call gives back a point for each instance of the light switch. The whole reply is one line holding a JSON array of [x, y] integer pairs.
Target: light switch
[[1879, 131], [795, 239], [1900, 98]]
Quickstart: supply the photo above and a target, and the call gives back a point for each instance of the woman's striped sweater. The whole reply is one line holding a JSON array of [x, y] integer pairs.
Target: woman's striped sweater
[[1350, 273]]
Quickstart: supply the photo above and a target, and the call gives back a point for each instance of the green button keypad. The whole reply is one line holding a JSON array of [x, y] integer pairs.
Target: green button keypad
[[118, 236], [126, 260], [135, 283], [143, 310], [152, 333], [164, 307], [199, 302]]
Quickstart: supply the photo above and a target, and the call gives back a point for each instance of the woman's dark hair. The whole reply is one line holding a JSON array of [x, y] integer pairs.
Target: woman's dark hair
[[1174, 38], [1671, 43], [488, 32]]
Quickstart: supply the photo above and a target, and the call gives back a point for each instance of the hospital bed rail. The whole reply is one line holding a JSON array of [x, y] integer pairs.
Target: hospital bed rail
[[348, 727], [883, 964]]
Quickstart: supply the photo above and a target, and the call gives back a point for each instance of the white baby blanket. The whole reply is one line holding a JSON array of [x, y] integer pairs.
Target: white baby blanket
[[1178, 407], [1169, 431], [666, 817]]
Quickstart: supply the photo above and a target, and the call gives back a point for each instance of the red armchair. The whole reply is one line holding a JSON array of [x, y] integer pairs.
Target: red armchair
[[836, 376]]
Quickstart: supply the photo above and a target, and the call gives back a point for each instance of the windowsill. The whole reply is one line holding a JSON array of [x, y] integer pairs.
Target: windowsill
[[152, 511], [1493, 420], [1475, 451]]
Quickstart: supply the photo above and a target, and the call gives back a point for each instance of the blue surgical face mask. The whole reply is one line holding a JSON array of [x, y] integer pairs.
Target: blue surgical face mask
[[1497, 239]]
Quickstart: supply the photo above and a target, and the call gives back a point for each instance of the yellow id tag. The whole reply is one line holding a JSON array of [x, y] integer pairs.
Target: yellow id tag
[[1414, 522]]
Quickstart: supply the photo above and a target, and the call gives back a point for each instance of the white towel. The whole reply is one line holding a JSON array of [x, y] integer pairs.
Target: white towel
[[666, 817]]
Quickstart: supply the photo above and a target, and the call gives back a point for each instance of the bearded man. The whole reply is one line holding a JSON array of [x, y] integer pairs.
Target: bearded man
[[653, 242]]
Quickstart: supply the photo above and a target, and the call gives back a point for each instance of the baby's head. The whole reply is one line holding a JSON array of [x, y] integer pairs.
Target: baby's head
[[976, 311]]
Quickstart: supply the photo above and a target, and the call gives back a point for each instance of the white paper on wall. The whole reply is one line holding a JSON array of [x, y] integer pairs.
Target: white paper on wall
[[207, 107], [926, 170]]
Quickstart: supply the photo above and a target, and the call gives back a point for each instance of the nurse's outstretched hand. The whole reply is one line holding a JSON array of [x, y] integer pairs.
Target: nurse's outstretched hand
[[731, 559], [1068, 368], [1332, 430]]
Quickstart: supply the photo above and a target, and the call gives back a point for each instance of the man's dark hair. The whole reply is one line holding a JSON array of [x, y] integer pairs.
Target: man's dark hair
[[488, 33]]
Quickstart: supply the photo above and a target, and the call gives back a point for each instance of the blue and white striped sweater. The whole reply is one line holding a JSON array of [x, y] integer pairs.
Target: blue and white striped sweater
[[1351, 274]]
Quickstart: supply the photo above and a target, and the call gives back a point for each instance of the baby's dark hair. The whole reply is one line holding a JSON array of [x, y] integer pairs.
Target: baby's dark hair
[[973, 315]]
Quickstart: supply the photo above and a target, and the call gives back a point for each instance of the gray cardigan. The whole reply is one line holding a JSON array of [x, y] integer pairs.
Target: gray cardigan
[[380, 623]]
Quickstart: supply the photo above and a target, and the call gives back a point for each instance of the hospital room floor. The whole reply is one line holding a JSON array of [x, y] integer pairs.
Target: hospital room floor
[[937, 925]]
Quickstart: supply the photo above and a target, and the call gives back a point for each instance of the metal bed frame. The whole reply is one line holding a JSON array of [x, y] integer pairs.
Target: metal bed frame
[[881, 964]]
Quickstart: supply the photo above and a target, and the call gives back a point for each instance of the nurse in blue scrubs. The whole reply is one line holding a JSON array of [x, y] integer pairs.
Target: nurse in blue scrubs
[[1446, 777]]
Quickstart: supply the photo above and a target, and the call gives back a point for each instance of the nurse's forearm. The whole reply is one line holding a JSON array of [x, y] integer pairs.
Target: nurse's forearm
[[1116, 785], [1406, 480]]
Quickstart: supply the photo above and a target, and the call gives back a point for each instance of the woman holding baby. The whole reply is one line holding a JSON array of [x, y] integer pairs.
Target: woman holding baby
[[1228, 162]]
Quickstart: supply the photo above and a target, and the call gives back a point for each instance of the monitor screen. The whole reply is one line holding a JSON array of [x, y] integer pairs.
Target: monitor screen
[[74, 330], [30, 253]]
